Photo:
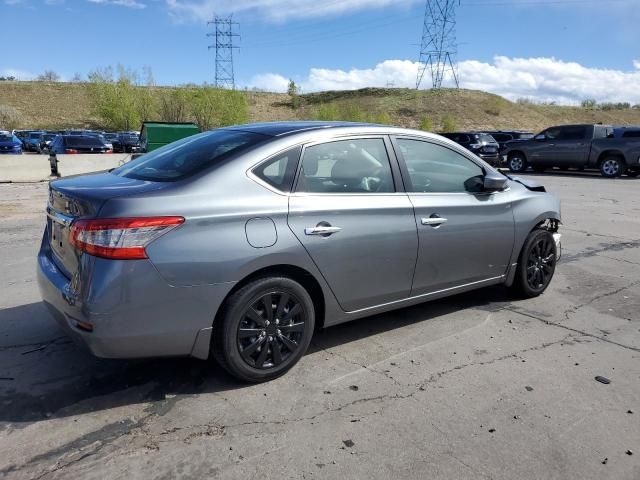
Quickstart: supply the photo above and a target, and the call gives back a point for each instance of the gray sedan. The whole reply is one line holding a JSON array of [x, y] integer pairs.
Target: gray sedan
[[239, 242]]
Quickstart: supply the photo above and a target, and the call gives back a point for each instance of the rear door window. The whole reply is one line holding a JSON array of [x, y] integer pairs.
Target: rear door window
[[573, 133], [346, 166], [631, 134]]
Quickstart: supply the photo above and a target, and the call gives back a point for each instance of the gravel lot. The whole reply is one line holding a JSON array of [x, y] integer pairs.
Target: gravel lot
[[474, 386]]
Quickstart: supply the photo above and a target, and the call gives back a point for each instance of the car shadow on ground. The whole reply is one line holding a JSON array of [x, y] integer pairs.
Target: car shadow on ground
[[57, 378]]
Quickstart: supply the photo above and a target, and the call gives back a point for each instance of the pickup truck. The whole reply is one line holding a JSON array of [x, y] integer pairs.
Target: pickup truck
[[576, 146]]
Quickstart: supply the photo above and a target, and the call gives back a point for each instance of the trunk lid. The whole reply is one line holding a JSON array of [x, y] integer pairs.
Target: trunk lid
[[82, 197]]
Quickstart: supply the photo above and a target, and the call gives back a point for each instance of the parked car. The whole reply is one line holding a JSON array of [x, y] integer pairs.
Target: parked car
[[21, 134], [576, 146], [70, 144], [31, 142], [480, 143], [240, 241], [127, 143], [45, 141], [504, 136], [9, 143], [158, 134]]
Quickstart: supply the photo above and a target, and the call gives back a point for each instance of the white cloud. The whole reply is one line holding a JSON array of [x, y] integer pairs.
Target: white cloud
[[278, 10], [544, 79], [121, 3]]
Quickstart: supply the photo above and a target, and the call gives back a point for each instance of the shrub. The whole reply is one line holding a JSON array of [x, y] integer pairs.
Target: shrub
[[327, 112], [214, 107], [589, 103], [382, 118], [449, 124], [115, 101], [426, 124], [494, 106], [174, 105], [10, 117]]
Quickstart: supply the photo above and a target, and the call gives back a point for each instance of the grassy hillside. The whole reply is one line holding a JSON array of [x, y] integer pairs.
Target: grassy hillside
[[58, 105]]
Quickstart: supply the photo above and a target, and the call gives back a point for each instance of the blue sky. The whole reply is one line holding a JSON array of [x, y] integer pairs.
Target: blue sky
[[513, 47]]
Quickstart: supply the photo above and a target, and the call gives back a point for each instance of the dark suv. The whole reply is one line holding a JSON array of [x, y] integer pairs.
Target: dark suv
[[504, 136], [480, 143]]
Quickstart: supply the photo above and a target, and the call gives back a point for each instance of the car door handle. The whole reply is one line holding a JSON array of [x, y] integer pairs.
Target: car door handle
[[434, 221], [321, 230]]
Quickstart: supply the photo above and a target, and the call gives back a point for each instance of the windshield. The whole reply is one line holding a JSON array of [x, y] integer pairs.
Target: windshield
[[190, 155], [6, 138], [487, 138]]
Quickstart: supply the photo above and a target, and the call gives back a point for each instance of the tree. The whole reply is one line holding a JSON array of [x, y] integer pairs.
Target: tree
[[10, 117], [292, 89], [115, 100], [77, 78], [174, 105], [48, 76], [214, 107], [589, 103]]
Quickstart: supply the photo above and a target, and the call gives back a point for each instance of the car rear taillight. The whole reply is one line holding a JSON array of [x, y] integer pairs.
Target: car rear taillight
[[120, 238], [70, 150], [109, 151]]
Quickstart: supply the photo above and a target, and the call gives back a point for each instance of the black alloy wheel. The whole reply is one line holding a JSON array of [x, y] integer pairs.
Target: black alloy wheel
[[263, 329], [271, 330]]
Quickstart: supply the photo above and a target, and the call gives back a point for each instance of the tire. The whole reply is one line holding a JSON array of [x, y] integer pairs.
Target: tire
[[612, 167], [536, 264], [242, 354], [517, 163]]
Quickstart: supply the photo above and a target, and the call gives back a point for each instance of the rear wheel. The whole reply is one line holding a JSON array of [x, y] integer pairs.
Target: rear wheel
[[536, 264], [612, 167], [264, 329], [517, 163]]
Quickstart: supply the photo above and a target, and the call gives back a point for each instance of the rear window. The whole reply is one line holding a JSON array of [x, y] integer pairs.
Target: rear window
[[190, 155], [631, 134], [78, 141]]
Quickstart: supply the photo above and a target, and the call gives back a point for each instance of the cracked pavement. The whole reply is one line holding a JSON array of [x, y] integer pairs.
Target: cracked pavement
[[475, 386]]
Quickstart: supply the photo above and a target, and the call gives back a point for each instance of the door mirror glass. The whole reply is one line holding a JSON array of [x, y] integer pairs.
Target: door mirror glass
[[493, 182]]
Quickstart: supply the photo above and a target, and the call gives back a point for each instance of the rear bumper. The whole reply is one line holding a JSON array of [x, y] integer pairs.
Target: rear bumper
[[133, 311]]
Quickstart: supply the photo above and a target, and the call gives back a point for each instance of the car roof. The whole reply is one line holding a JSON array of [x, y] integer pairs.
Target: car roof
[[276, 129]]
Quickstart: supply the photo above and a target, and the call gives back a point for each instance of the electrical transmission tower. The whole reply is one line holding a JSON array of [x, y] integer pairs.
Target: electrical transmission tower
[[224, 35], [438, 47]]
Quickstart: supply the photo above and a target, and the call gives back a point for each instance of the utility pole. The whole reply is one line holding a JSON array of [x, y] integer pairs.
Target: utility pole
[[224, 35], [438, 47]]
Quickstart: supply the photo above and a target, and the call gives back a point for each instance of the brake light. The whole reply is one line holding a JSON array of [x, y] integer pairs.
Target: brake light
[[120, 238], [70, 150], [109, 151]]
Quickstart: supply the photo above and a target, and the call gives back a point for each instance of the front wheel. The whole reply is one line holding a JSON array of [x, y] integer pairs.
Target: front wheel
[[517, 163], [536, 264], [264, 329], [612, 167]]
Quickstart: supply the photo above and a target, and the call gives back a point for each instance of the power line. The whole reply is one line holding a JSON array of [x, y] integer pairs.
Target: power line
[[223, 45], [438, 47]]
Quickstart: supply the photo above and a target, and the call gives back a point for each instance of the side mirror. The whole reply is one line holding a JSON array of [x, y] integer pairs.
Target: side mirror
[[540, 137], [494, 182]]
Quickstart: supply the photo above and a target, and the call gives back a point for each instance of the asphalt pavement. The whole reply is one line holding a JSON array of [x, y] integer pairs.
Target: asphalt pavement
[[476, 386]]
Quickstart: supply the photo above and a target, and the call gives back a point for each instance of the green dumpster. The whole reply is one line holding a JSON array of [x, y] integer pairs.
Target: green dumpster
[[158, 134]]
